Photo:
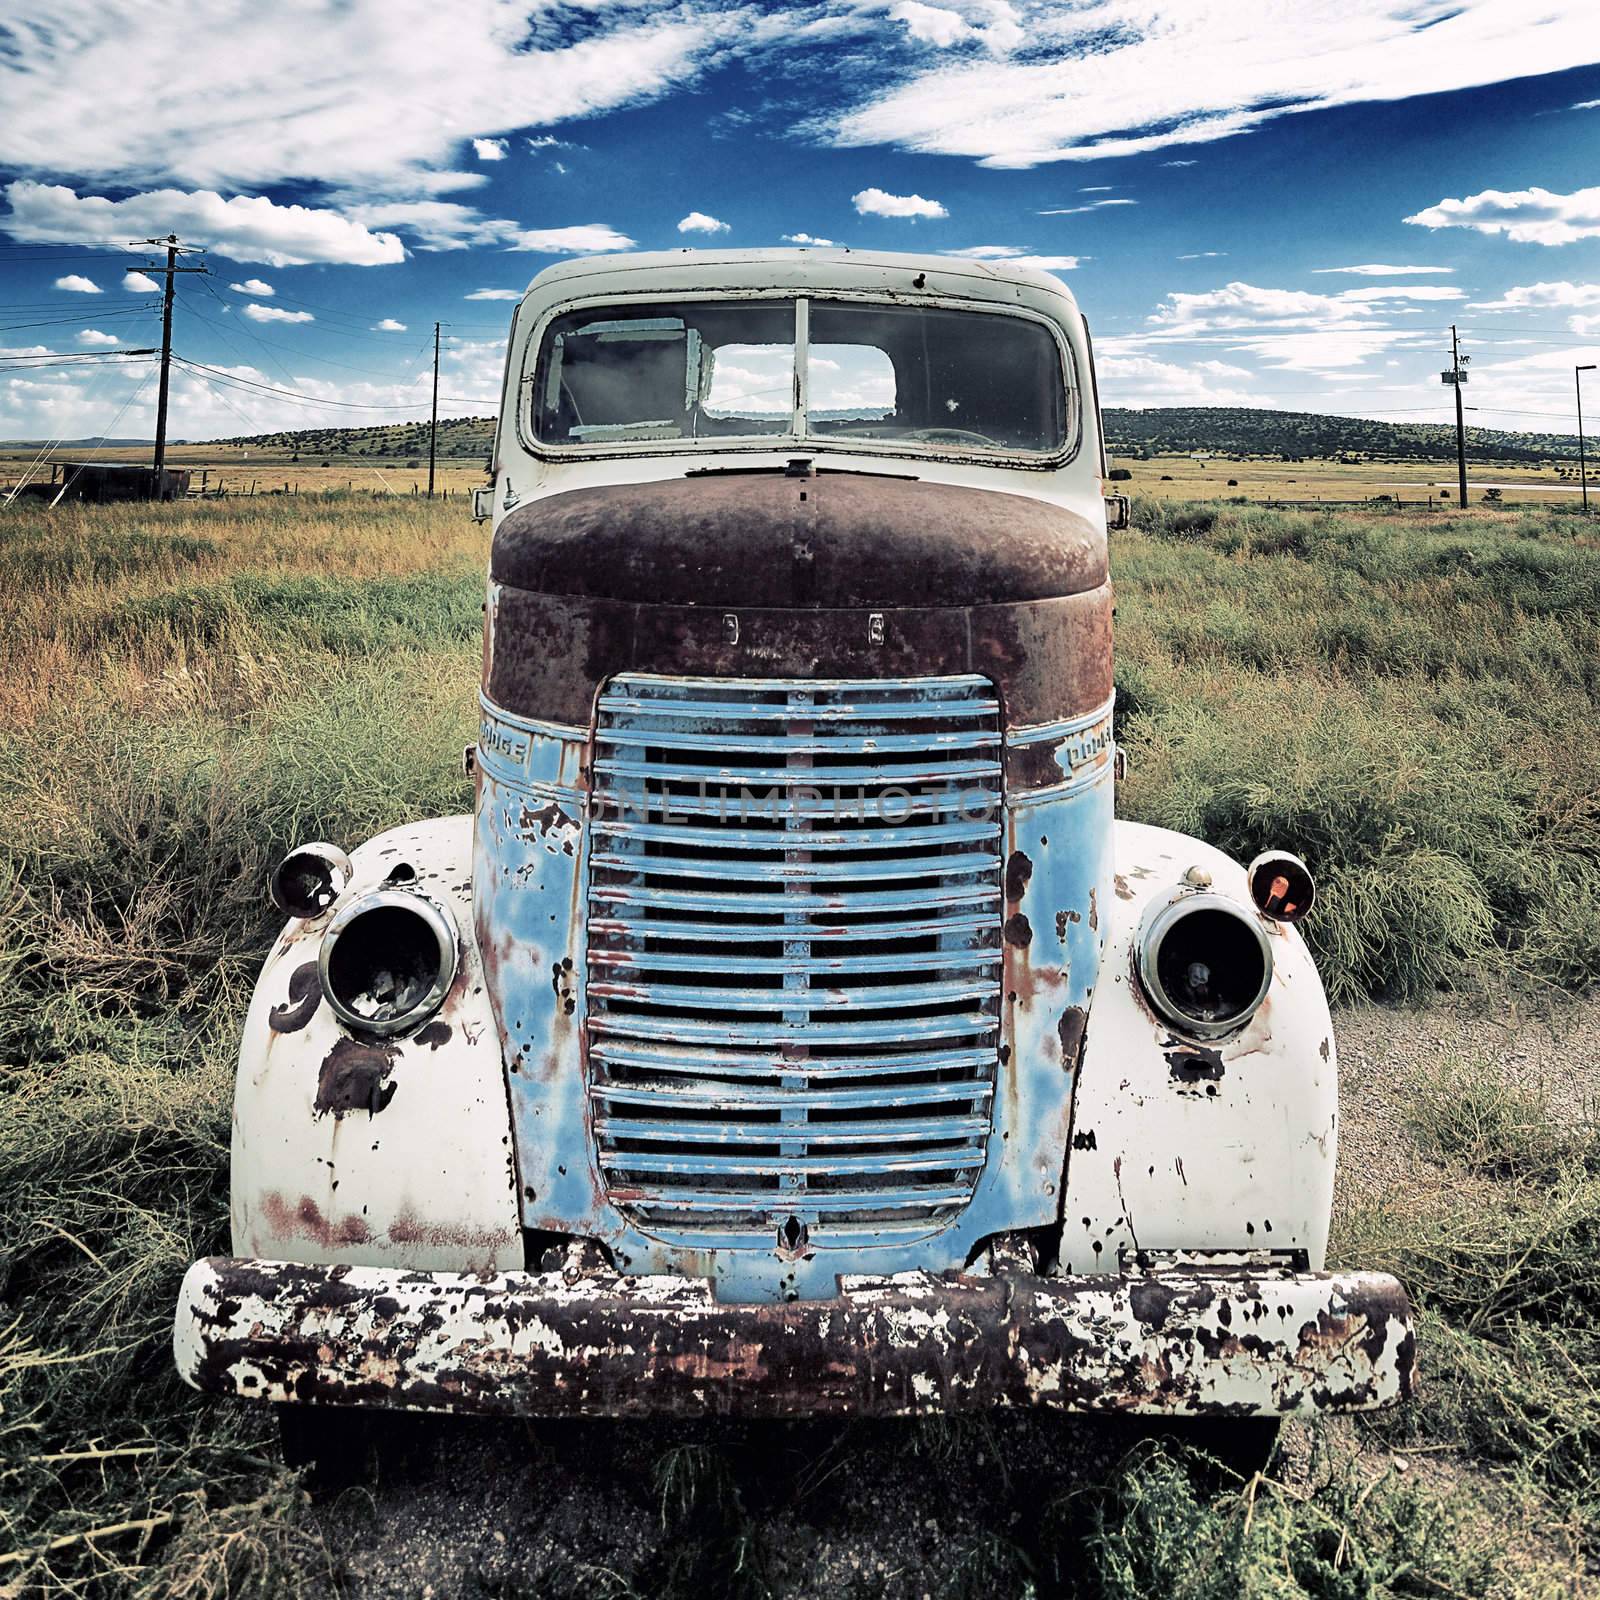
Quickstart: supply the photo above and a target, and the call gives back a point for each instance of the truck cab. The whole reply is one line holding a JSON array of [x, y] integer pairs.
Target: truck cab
[[793, 1027]]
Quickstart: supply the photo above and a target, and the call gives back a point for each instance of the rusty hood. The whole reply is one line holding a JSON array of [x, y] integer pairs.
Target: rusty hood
[[825, 540]]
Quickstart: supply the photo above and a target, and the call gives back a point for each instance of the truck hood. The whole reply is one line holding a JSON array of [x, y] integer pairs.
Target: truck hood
[[828, 540]]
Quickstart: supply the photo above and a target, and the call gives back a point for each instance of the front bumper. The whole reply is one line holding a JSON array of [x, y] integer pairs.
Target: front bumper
[[1185, 1341]]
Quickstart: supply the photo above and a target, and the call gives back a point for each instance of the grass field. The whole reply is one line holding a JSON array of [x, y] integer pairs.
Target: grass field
[[191, 689], [245, 470]]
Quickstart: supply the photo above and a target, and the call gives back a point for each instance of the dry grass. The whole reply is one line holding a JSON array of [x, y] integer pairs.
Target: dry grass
[[194, 688]]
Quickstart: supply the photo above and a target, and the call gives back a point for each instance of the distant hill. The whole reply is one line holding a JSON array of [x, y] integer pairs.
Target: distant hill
[[1216, 430], [458, 437], [1241, 430]]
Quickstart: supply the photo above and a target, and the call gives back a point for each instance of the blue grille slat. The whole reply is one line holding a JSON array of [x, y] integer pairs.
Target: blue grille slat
[[789, 1083]]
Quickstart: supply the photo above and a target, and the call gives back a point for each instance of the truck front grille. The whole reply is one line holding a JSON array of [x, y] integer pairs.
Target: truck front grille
[[793, 972]]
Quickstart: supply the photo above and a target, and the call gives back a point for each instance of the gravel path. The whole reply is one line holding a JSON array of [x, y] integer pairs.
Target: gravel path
[[456, 1511]]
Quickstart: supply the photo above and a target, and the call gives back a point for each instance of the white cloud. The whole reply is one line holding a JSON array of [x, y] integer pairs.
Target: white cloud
[[276, 314], [1015, 255], [489, 149], [139, 283], [806, 238], [1525, 216], [699, 222], [76, 403], [1142, 381], [378, 94], [493, 294], [1093, 205], [437, 224], [244, 228], [875, 203], [389, 325], [1118, 77], [1202, 255], [1527, 296], [76, 283], [990, 22], [931, 24], [95, 337], [1245, 305], [254, 286], [1097, 188], [1584, 326], [548, 141], [1374, 269], [1584, 105], [588, 238]]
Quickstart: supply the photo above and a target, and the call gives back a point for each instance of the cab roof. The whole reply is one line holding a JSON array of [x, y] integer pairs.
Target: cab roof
[[904, 275]]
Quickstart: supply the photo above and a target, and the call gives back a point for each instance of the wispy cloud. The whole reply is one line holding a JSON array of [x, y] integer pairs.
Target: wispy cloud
[[1016, 256], [1093, 205], [1202, 255], [87, 87], [493, 294], [1374, 269], [1525, 216], [877, 203], [1122, 77], [808, 239]]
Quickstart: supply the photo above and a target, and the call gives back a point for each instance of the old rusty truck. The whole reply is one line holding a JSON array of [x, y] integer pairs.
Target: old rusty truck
[[792, 1028]]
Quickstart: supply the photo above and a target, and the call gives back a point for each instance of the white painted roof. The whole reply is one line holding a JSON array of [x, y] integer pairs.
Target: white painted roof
[[683, 272]]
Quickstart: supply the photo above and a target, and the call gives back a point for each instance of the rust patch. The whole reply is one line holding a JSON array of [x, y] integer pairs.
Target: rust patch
[[305, 995], [1070, 1032], [1195, 1065], [1019, 869], [1018, 931], [353, 1078], [1123, 891], [303, 1219], [1094, 913]]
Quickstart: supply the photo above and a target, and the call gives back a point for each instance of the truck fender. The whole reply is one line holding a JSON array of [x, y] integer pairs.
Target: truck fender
[[1178, 1145], [376, 1152]]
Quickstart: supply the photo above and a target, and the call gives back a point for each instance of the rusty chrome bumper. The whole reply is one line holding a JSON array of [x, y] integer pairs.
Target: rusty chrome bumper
[[1195, 1341]]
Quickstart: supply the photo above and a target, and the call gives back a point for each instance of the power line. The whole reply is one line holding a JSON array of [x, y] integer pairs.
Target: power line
[[317, 400]]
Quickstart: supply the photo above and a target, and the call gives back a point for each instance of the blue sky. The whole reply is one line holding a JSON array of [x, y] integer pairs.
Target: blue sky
[[1281, 204]]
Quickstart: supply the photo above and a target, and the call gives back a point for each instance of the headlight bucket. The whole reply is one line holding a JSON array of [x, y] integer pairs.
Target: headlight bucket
[[1205, 962], [388, 960], [1281, 886], [308, 880]]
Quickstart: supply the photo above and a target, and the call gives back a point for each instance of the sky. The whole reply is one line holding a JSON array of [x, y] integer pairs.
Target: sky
[[1284, 203]]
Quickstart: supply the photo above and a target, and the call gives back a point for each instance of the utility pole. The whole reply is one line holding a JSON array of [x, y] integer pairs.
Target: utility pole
[[433, 427], [1457, 376], [172, 247], [1583, 464]]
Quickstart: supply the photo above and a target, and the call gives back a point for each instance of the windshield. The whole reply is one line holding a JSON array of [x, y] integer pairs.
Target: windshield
[[877, 374]]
